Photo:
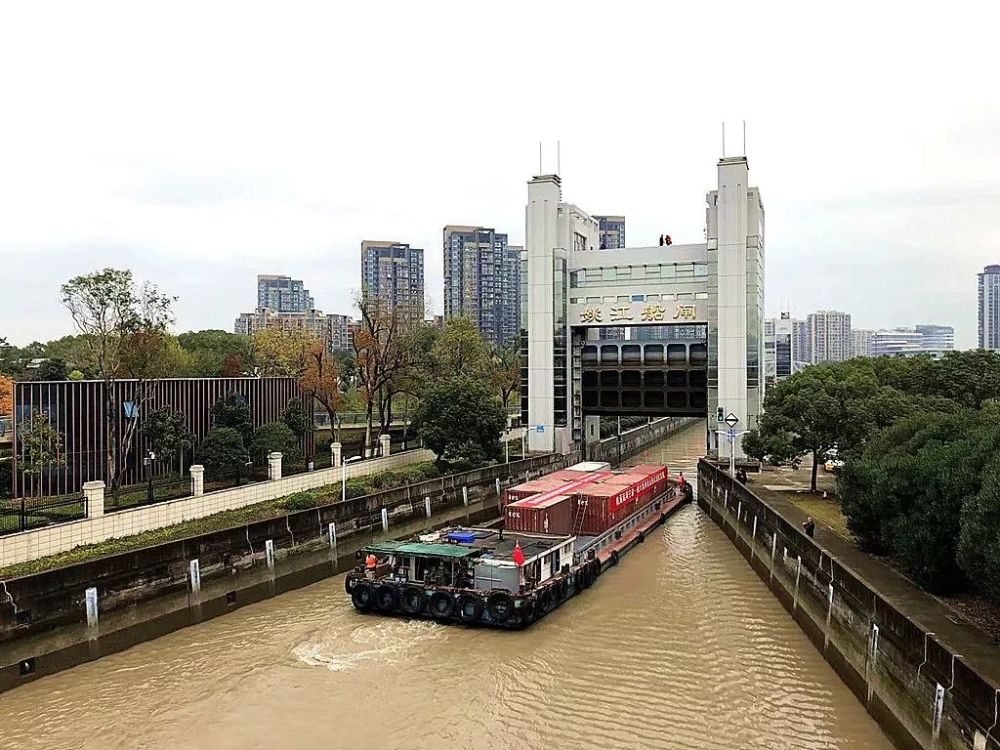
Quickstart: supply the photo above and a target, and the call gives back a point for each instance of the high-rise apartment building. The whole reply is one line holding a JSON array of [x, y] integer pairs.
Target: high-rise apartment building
[[335, 330], [611, 232], [801, 345], [861, 342], [482, 280], [393, 274], [829, 335], [339, 333], [989, 308], [282, 294]]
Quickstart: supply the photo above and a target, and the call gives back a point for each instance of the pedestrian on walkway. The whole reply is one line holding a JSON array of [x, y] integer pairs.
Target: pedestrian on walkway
[[661, 240], [809, 525]]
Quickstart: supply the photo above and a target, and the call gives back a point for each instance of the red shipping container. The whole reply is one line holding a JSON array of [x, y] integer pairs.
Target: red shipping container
[[648, 469], [553, 515], [602, 506]]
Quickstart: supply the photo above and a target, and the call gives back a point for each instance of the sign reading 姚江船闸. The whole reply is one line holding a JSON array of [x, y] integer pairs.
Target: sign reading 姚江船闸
[[641, 312]]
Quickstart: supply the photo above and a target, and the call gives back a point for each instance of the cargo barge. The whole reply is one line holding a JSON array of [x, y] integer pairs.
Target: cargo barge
[[557, 534]]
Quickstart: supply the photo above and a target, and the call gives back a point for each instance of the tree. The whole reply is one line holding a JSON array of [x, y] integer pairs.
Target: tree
[[223, 453], [461, 420], [76, 375], [296, 417], [41, 445], [6, 396], [320, 378], [979, 539], [74, 351], [165, 429], [905, 494], [281, 352], [124, 327], [51, 369], [213, 353], [231, 411], [462, 350], [839, 406], [507, 372], [274, 437], [380, 353]]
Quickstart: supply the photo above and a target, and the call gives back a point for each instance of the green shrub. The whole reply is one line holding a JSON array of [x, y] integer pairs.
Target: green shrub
[[299, 501]]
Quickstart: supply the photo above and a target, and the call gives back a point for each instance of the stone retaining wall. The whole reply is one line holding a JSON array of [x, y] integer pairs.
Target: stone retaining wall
[[916, 687]]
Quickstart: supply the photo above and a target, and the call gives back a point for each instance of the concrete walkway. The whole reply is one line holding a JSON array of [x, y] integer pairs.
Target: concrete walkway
[[978, 650]]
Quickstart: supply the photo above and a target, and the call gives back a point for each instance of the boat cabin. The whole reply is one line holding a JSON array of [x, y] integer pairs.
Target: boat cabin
[[475, 558]]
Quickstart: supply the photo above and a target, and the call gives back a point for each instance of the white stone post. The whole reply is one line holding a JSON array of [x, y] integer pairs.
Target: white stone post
[[384, 443], [274, 465], [197, 480], [335, 454], [94, 494]]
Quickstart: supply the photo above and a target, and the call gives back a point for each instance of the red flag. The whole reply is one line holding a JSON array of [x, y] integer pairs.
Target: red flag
[[518, 554]]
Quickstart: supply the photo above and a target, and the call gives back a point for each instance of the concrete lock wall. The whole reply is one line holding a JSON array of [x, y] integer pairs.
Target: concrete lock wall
[[152, 591], [919, 690], [636, 440], [51, 540]]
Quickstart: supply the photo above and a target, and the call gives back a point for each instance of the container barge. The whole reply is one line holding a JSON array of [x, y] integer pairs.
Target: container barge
[[557, 534]]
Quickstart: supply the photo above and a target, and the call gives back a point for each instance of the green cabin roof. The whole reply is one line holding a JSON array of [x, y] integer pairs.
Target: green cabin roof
[[423, 549]]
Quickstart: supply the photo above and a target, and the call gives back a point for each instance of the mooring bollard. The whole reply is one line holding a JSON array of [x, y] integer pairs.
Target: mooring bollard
[[269, 553], [194, 576], [465, 495], [385, 519], [427, 505]]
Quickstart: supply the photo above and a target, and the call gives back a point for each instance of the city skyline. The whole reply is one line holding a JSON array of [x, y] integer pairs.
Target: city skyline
[[264, 172]]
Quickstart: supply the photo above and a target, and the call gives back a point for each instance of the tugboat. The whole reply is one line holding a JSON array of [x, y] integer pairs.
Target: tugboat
[[556, 536]]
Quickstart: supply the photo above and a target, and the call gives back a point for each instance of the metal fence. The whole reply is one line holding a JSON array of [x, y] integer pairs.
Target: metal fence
[[32, 512], [972, 694]]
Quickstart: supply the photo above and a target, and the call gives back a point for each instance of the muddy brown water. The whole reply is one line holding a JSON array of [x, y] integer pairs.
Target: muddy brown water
[[681, 646]]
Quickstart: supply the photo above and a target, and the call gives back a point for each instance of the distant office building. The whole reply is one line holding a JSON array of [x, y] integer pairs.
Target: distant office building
[[482, 280], [829, 335], [989, 308], [861, 342], [282, 294], [393, 273], [897, 342], [911, 342], [611, 232], [937, 338], [780, 356]]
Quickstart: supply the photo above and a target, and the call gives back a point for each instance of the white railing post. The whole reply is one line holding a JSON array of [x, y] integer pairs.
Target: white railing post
[[274, 465], [197, 480], [94, 494], [335, 454], [384, 441]]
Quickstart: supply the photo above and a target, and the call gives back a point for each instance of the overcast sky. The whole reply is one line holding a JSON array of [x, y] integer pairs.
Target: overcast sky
[[202, 143]]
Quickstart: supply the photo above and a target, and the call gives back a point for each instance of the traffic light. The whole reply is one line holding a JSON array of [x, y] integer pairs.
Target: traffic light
[[721, 415]]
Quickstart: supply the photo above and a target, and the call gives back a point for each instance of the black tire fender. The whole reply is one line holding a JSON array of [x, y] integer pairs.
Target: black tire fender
[[441, 604], [615, 557], [500, 606], [595, 569], [349, 583], [642, 537], [469, 607], [386, 597], [412, 600], [545, 599], [363, 595]]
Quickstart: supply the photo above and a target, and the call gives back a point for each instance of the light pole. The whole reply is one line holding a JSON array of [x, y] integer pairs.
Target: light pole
[[148, 463]]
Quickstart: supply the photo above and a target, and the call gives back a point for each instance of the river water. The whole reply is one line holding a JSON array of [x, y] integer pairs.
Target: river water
[[681, 646]]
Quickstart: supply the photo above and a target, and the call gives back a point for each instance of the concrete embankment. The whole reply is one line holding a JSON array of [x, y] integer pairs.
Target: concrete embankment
[[917, 686]]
